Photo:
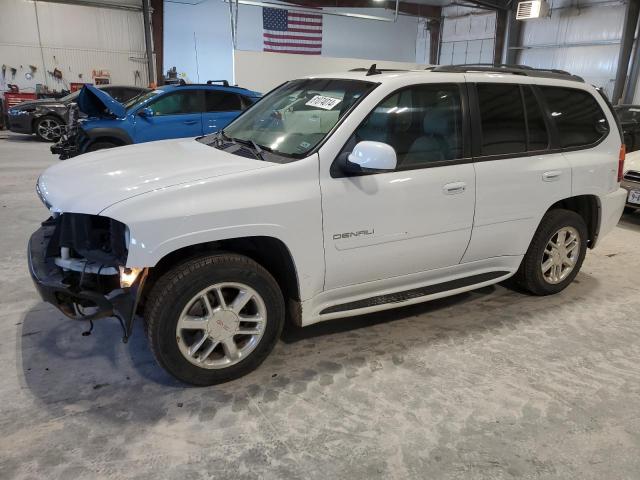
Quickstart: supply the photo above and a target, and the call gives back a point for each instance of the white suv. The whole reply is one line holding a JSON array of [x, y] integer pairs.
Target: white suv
[[333, 196]]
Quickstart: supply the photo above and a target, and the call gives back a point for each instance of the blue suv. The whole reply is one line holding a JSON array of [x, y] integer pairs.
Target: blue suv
[[171, 111]]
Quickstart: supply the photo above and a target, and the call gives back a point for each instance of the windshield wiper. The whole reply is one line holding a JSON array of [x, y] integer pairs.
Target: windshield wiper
[[258, 150]]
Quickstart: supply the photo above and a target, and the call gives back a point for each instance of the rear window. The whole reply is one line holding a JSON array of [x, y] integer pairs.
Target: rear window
[[578, 117]]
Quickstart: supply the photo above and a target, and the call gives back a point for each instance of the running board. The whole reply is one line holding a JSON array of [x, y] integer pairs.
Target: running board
[[406, 295]]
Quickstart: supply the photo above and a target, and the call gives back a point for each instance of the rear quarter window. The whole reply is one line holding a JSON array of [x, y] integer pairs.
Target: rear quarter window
[[577, 116]]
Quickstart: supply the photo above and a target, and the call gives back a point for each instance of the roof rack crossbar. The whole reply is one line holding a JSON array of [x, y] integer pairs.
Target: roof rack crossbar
[[523, 70], [374, 70], [224, 83]]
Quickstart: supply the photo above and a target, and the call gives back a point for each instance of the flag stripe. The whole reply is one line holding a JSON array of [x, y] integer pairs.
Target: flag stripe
[[293, 44], [316, 52], [303, 35]]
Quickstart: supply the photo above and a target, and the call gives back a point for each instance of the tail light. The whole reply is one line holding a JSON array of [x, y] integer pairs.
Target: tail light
[[623, 151]]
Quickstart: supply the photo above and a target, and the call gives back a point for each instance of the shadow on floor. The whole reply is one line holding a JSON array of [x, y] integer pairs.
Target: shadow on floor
[[63, 369]]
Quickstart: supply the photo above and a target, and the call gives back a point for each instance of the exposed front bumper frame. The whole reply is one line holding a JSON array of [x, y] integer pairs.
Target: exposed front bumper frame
[[48, 279]]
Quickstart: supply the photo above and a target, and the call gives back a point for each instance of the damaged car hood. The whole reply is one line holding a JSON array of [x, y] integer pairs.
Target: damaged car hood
[[94, 102], [94, 181]]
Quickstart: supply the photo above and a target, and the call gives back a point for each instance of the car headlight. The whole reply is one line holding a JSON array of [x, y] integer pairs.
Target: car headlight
[[41, 195]]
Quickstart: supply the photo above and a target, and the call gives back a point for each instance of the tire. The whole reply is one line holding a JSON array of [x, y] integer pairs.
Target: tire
[[100, 145], [48, 128], [177, 319], [530, 275], [629, 210]]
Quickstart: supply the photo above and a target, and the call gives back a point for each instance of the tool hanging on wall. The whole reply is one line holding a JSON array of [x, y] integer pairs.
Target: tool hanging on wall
[[13, 72], [4, 72]]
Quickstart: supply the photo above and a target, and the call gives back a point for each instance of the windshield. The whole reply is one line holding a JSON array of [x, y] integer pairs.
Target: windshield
[[295, 117], [141, 98]]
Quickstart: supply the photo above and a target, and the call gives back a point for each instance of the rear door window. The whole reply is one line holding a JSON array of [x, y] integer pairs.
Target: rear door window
[[502, 120], [577, 115], [221, 101]]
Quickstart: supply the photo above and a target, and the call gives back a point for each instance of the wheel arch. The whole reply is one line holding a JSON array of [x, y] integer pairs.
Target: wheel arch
[[40, 115], [113, 135], [588, 207], [270, 252]]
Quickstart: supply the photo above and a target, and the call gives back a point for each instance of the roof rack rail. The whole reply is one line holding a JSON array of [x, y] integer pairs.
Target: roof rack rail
[[374, 70], [523, 70]]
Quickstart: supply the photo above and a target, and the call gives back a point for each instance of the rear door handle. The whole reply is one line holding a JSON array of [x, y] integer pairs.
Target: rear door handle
[[453, 188], [190, 122], [551, 175]]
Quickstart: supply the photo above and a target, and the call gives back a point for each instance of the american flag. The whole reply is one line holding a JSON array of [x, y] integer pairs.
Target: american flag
[[291, 32]]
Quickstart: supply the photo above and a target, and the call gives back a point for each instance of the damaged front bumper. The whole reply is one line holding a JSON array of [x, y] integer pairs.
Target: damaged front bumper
[[80, 295]]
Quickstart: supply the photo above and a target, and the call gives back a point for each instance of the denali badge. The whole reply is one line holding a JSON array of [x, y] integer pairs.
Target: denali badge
[[338, 236]]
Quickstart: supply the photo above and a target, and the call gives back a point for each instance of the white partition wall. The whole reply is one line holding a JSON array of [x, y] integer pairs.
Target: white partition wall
[[263, 71]]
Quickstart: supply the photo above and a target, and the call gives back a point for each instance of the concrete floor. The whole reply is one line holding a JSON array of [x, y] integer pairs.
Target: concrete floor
[[490, 384]]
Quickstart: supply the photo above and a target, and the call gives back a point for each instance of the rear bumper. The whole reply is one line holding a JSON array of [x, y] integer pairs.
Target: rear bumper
[[54, 288], [611, 208], [628, 186]]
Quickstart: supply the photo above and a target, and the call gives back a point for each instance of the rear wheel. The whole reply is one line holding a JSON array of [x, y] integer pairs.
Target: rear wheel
[[100, 145], [214, 319], [555, 254], [48, 128]]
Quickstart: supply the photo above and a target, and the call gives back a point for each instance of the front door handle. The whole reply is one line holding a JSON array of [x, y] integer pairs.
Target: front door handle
[[190, 122], [551, 176], [453, 188]]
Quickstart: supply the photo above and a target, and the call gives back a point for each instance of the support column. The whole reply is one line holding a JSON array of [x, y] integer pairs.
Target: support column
[[157, 31], [435, 37], [513, 38], [502, 16], [626, 46], [147, 41]]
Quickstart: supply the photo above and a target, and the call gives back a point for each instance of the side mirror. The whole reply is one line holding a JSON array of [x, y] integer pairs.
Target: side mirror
[[371, 157], [146, 112]]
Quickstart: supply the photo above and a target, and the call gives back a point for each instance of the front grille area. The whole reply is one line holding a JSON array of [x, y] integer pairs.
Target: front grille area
[[632, 176]]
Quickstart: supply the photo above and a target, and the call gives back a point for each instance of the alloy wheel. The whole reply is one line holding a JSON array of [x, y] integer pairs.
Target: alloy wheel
[[221, 325], [49, 129], [560, 255]]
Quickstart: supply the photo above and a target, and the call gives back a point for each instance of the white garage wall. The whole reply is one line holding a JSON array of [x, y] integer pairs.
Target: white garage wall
[[197, 40], [76, 40], [583, 41], [468, 36], [206, 26]]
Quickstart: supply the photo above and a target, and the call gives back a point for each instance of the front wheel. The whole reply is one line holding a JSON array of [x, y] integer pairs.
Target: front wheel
[[214, 318], [555, 254]]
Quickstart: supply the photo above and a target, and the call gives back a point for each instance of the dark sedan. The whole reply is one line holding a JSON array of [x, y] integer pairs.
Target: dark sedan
[[47, 117]]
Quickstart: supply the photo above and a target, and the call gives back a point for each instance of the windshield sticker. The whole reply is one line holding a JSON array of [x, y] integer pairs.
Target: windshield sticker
[[326, 103]]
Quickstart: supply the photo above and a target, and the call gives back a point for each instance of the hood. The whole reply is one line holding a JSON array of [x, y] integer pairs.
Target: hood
[[94, 102], [94, 181], [632, 161]]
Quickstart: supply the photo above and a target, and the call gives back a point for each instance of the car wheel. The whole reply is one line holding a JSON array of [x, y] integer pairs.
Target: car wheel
[[555, 254], [213, 319], [100, 145], [48, 128]]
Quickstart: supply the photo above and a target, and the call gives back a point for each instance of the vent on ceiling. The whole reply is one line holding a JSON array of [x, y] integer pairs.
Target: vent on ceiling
[[532, 9]]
